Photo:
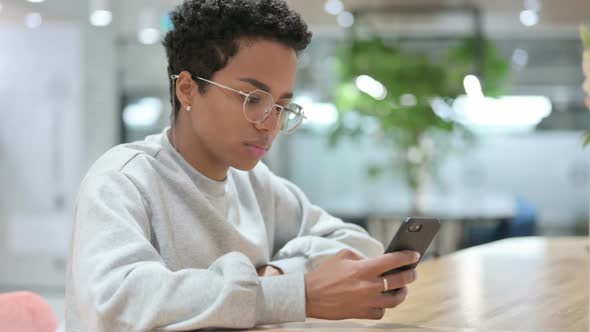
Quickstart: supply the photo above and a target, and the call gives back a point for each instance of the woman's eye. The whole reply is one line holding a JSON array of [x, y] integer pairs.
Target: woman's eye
[[252, 100]]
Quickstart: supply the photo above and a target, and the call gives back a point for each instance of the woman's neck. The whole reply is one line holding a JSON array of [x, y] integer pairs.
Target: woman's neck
[[196, 154]]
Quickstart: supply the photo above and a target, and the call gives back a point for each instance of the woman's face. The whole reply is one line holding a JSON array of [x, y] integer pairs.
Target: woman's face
[[218, 124]]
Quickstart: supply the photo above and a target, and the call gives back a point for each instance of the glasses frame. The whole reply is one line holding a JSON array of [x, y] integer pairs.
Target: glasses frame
[[246, 95]]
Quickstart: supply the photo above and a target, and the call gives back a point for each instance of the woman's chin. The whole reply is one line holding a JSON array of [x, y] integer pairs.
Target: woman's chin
[[245, 165]]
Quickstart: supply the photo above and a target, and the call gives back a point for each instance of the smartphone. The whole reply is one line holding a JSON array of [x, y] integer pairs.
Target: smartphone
[[414, 234]]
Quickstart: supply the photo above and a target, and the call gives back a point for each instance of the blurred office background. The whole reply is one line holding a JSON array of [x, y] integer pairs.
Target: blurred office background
[[78, 77]]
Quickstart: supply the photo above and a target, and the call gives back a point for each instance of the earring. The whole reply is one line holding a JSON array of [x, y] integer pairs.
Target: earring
[[188, 108]]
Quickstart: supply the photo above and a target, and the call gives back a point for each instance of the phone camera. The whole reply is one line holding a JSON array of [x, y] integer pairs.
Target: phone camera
[[415, 228]]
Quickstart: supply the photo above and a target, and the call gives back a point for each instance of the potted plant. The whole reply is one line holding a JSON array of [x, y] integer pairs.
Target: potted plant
[[409, 95]]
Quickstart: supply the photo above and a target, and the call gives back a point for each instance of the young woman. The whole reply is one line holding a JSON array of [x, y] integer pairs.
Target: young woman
[[189, 230]]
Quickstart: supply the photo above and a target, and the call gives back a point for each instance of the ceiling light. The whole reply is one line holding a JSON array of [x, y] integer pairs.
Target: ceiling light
[[149, 36], [144, 113], [148, 27], [101, 18], [345, 19], [529, 18], [371, 86], [522, 112], [472, 86], [442, 108], [100, 14], [318, 114], [333, 7]]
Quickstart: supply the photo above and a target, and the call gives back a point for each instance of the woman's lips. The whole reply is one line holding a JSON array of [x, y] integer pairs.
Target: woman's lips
[[258, 151]]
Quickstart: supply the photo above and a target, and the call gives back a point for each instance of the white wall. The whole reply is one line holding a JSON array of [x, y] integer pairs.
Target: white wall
[[550, 169], [58, 113], [40, 151], [143, 67], [100, 125]]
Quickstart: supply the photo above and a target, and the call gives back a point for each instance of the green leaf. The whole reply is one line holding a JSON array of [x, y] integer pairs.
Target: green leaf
[[586, 140], [585, 34], [408, 73]]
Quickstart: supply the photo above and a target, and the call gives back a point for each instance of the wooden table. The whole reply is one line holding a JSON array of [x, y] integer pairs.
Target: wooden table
[[519, 284]]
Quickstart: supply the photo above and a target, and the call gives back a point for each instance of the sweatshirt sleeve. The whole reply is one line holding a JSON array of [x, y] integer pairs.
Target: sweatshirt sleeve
[[119, 281], [306, 235]]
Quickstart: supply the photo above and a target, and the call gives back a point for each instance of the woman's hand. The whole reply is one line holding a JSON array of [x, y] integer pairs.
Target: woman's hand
[[348, 286]]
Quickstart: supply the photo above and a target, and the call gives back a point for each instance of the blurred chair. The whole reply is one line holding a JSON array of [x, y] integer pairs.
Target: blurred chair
[[524, 223], [26, 312]]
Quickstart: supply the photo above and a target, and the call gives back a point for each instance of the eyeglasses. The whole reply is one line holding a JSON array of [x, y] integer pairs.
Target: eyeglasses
[[259, 105]]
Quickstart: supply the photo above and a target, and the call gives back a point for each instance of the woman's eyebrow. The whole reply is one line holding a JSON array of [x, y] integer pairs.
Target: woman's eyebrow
[[264, 87]]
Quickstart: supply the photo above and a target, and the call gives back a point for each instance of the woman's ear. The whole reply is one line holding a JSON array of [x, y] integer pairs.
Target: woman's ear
[[185, 89]]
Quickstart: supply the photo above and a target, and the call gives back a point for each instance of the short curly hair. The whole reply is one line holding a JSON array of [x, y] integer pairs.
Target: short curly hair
[[206, 34]]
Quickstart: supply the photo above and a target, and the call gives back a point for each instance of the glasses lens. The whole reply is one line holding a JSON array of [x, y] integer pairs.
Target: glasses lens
[[258, 106], [291, 118]]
